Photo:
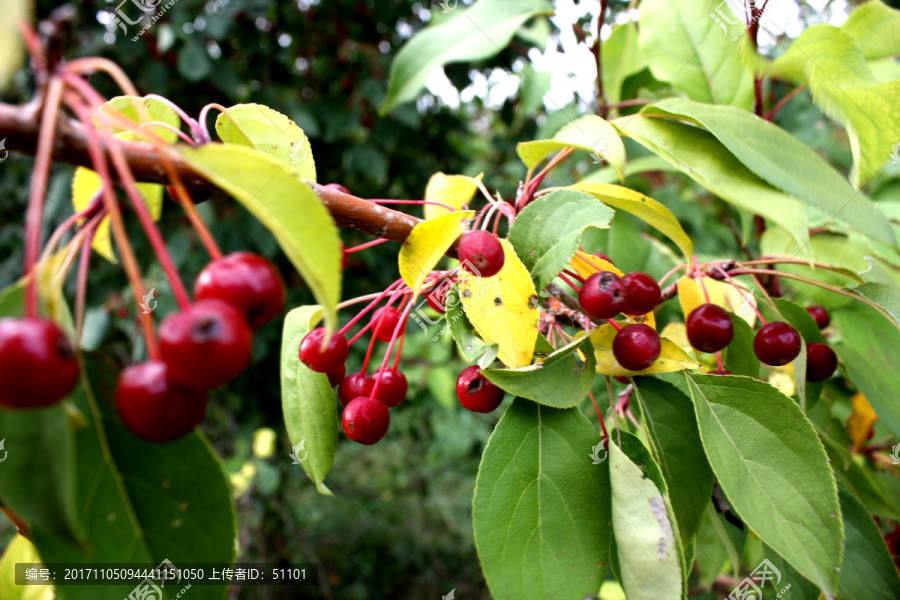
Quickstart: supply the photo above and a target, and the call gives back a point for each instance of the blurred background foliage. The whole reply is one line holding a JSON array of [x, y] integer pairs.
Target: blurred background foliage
[[399, 525]]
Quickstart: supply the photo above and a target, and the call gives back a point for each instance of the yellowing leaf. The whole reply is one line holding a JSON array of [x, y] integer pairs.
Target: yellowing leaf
[[587, 264], [590, 133], [643, 207], [671, 357], [721, 293], [452, 190], [861, 420], [427, 244], [503, 308], [86, 185], [21, 550], [138, 110], [12, 51]]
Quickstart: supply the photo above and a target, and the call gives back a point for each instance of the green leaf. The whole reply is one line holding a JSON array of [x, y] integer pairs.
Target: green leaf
[[770, 463], [785, 162], [621, 59], [541, 509], [885, 297], [308, 402], [589, 133], [688, 49], [12, 50], [287, 207], [875, 27], [704, 159], [867, 348], [474, 33], [868, 572], [649, 559], [562, 380], [801, 588], [859, 480], [270, 132], [843, 86], [644, 208], [547, 232], [675, 443], [740, 358]]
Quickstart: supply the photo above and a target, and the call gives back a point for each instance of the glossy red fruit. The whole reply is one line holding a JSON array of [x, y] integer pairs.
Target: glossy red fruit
[[37, 363], [335, 376], [248, 282], [821, 362], [338, 187], [366, 420], [206, 345], [642, 293], [384, 321], [777, 343], [321, 359], [392, 388], [709, 328], [636, 347], [476, 392], [153, 408], [602, 295], [820, 315], [355, 385], [481, 253], [721, 372]]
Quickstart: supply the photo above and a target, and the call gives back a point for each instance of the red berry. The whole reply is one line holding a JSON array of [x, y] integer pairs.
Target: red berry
[[602, 295], [323, 360], [777, 343], [355, 385], [481, 253], [476, 392], [621, 379], [338, 187], [206, 345], [821, 362], [37, 363], [335, 376], [392, 387], [721, 372], [384, 321], [248, 282], [709, 328], [636, 347], [642, 293], [820, 315], [366, 420], [153, 408]]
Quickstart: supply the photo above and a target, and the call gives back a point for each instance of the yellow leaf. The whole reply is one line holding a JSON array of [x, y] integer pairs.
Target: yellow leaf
[[86, 185], [721, 293], [643, 207], [427, 244], [504, 309], [671, 356], [452, 190], [21, 550], [861, 420], [587, 264]]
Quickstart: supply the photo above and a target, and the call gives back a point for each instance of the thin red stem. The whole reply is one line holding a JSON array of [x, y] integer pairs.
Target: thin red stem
[[784, 101], [599, 415], [574, 275], [371, 305], [401, 324], [81, 281], [614, 324], [571, 283], [366, 245]]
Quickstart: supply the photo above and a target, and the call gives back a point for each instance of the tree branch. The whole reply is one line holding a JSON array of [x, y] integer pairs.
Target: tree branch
[[19, 125]]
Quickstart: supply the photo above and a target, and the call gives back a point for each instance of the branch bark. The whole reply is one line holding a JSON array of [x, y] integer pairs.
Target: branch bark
[[19, 125]]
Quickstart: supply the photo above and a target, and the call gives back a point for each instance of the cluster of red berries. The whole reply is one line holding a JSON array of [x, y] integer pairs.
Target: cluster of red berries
[[604, 295], [201, 347]]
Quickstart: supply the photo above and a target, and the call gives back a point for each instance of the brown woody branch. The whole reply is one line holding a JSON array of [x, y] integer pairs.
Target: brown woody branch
[[19, 125]]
